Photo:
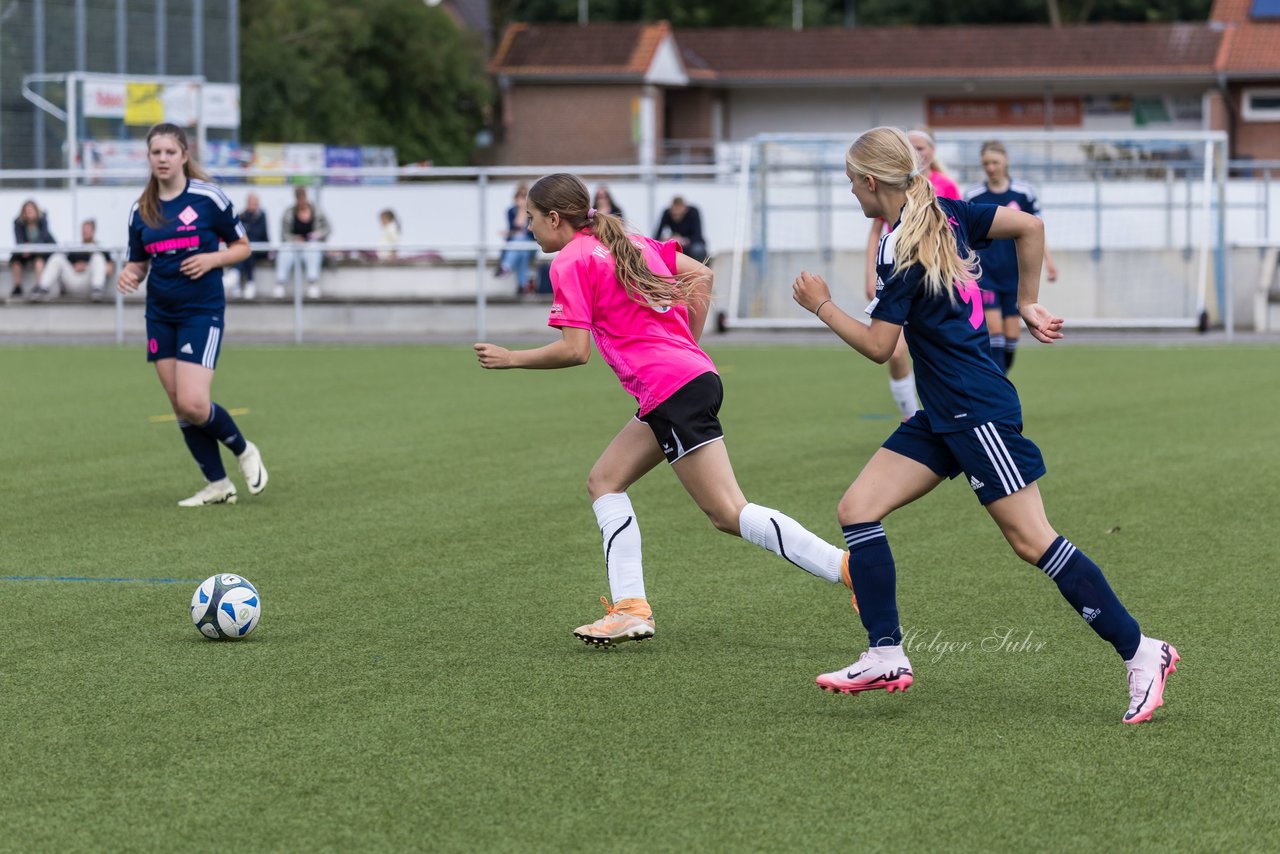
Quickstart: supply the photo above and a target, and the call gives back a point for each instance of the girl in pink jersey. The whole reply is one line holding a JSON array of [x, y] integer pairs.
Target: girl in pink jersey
[[902, 382], [645, 305]]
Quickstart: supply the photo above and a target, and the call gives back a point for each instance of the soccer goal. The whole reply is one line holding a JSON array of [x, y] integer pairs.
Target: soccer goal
[[1131, 222]]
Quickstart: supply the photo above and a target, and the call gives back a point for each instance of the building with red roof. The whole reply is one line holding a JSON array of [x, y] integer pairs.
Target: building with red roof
[[642, 92]]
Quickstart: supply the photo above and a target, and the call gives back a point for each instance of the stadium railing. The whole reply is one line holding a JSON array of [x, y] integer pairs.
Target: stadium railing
[[457, 214]]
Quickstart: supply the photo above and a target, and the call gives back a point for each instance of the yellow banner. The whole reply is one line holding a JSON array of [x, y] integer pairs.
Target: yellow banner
[[268, 155], [142, 104]]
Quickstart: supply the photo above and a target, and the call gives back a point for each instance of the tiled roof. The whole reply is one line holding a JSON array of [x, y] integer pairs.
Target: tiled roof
[[1248, 47], [1229, 42], [906, 53], [606, 50], [1230, 11]]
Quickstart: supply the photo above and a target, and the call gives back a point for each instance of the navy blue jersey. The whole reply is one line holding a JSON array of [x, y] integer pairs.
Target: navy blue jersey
[[194, 222], [960, 386], [1000, 259]]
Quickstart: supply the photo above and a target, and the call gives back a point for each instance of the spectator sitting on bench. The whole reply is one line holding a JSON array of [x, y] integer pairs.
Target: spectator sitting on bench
[[29, 227], [77, 274], [304, 227]]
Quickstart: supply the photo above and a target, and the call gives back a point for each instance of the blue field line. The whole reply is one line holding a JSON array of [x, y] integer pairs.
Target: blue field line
[[87, 578]]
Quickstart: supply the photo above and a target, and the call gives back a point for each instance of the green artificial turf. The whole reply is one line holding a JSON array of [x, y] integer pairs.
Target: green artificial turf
[[426, 547]]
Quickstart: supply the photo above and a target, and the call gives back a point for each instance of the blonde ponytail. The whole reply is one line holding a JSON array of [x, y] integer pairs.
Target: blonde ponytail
[[568, 196], [924, 236]]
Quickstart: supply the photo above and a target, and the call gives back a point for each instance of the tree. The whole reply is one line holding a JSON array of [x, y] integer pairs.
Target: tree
[[362, 72]]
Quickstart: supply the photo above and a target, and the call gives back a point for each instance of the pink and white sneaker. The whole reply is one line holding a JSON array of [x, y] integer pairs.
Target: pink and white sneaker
[[882, 667], [1151, 666]]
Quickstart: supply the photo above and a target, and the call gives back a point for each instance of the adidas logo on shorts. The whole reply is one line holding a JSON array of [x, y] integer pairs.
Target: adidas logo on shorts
[[975, 483]]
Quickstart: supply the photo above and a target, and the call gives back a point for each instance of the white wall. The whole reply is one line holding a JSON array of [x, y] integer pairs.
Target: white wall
[[445, 215], [749, 112]]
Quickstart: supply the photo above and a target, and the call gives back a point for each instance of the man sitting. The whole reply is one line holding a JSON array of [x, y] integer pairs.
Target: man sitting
[[77, 273]]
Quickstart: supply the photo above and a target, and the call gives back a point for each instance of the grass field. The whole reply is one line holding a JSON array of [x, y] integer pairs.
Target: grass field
[[426, 546]]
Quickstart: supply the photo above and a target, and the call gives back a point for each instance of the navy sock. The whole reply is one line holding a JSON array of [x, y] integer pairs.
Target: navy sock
[[205, 449], [997, 350], [874, 580], [1010, 350], [1083, 585], [222, 427]]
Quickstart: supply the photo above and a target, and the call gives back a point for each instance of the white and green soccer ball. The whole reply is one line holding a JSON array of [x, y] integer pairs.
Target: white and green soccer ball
[[226, 607]]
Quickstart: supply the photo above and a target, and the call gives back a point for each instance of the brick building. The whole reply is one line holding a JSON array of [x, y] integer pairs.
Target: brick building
[[642, 93]]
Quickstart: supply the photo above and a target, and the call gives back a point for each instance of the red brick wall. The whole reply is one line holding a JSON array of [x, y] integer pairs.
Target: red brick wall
[[689, 113], [549, 124], [1253, 140]]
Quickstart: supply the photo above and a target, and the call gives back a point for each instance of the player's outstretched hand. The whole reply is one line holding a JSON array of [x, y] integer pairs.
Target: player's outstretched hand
[[1043, 325], [810, 290], [492, 356]]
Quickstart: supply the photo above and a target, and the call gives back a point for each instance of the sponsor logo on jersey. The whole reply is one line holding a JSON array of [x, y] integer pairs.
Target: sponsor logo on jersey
[[970, 293], [173, 245], [188, 215]]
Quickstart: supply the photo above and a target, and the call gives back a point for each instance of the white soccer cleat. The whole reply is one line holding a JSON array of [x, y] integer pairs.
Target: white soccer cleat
[[880, 668], [255, 473], [1149, 669], [214, 492]]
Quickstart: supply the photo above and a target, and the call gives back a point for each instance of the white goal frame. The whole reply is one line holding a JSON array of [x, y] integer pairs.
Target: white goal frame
[[1201, 203]]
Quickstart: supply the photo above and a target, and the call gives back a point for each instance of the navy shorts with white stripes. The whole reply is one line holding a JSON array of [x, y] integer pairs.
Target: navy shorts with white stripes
[[996, 457], [193, 339]]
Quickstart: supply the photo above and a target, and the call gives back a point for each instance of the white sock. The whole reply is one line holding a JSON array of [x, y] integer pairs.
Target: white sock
[[904, 394], [621, 533], [890, 654], [787, 538]]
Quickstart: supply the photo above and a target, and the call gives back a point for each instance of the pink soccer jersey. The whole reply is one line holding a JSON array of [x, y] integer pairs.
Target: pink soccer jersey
[[650, 348], [943, 187]]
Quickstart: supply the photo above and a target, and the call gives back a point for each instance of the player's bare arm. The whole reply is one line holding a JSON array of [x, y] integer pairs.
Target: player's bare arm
[[876, 341], [573, 348]]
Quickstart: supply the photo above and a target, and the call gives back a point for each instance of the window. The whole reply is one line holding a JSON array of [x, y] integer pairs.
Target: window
[[1262, 105]]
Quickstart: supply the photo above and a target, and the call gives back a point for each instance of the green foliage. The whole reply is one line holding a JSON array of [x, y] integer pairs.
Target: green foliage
[[362, 72]]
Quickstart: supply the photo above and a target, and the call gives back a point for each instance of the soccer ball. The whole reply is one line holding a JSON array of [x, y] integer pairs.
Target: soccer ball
[[226, 607]]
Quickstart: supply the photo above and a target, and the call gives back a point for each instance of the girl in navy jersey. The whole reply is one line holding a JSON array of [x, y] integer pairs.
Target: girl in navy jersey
[[971, 422], [174, 231], [999, 259], [902, 383]]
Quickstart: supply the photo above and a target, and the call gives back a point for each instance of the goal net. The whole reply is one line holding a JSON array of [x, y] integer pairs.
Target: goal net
[[1131, 222]]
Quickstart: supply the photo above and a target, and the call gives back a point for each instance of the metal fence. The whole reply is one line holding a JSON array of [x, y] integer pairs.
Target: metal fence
[[457, 212]]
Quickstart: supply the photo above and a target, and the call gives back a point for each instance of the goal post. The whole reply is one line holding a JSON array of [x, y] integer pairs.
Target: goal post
[[1131, 220]]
